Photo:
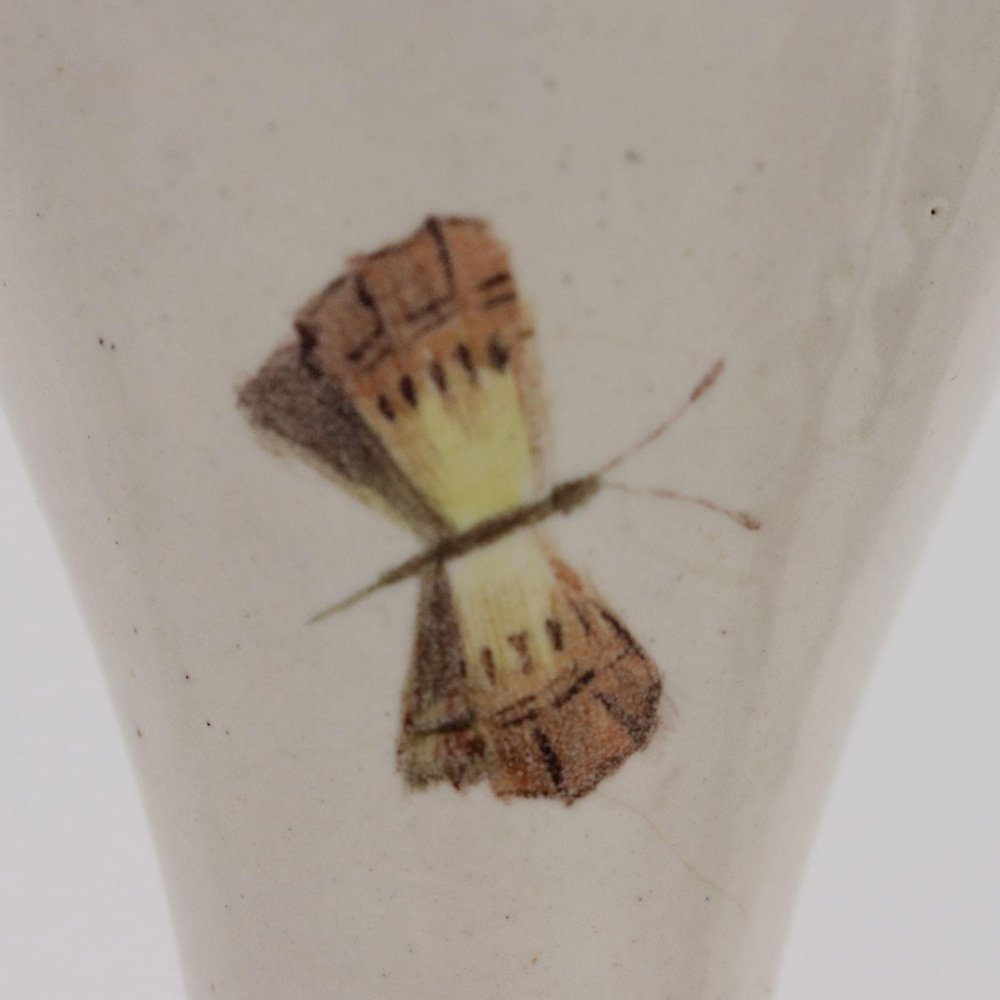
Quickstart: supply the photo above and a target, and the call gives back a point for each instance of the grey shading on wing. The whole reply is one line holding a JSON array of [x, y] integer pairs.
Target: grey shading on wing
[[438, 738], [287, 398]]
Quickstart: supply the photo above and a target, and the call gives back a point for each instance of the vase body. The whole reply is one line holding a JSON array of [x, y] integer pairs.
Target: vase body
[[807, 194]]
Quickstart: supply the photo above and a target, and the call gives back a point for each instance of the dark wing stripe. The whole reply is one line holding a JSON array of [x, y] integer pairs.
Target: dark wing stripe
[[493, 280], [526, 717], [619, 629], [582, 617], [434, 228], [630, 725], [500, 300], [550, 759], [575, 688], [367, 300]]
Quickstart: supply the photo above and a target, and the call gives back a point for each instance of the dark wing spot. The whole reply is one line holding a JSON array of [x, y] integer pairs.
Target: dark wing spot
[[408, 390], [438, 376], [489, 664], [499, 355], [519, 640], [554, 627], [386, 408], [464, 356]]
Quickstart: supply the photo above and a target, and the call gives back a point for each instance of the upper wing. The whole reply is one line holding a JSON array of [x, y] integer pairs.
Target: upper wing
[[428, 341]]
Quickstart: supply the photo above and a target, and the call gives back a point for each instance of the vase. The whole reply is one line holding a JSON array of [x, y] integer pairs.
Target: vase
[[723, 277]]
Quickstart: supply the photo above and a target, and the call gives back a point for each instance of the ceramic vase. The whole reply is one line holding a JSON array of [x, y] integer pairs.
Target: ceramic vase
[[794, 203]]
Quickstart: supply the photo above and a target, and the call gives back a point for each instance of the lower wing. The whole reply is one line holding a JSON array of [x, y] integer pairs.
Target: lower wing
[[521, 674]]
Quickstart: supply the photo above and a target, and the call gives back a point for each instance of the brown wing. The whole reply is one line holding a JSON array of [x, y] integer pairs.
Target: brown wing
[[570, 735]]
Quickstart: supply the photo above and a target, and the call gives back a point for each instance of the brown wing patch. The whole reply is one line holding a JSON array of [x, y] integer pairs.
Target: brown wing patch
[[287, 399], [576, 732], [451, 275], [438, 740]]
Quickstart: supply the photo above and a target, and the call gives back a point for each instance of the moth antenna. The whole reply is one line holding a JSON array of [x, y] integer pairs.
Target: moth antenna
[[706, 383], [401, 571], [343, 605], [741, 517]]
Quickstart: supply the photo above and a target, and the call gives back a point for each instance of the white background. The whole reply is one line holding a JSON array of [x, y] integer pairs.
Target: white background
[[901, 899]]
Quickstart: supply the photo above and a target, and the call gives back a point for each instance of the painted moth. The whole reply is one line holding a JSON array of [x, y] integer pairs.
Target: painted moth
[[413, 378]]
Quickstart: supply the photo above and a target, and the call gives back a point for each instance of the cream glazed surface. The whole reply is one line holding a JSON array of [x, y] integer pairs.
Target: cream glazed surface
[[807, 196]]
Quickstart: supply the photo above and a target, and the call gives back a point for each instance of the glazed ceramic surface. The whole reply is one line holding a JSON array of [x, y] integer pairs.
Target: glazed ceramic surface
[[804, 192]]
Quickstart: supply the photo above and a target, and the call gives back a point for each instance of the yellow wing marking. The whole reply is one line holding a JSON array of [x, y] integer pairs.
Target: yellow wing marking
[[504, 596], [468, 451]]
